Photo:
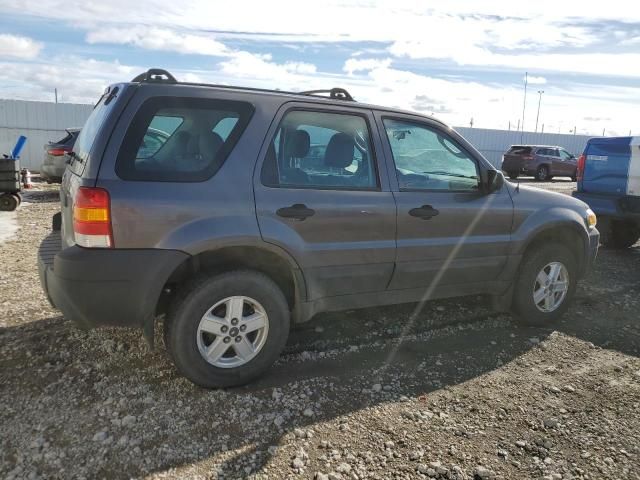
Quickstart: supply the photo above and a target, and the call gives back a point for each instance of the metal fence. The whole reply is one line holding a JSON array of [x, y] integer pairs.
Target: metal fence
[[42, 122], [493, 143]]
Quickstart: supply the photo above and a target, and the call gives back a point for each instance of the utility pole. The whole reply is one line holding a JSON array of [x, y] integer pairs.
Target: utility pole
[[471, 123], [55, 93], [603, 132], [540, 92], [518, 129], [509, 125], [542, 129], [524, 104]]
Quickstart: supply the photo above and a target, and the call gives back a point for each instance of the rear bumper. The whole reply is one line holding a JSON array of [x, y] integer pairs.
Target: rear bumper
[[621, 207], [110, 287]]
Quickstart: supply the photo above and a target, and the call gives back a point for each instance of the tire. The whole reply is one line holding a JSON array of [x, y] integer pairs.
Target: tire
[[529, 312], [542, 173], [9, 202], [621, 235], [574, 178], [185, 338], [18, 198], [513, 175]]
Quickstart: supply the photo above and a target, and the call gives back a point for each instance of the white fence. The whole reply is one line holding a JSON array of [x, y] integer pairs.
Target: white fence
[[493, 143], [42, 122]]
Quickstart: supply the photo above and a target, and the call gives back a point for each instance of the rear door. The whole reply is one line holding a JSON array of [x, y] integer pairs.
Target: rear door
[[321, 196], [83, 165], [569, 163], [449, 232]]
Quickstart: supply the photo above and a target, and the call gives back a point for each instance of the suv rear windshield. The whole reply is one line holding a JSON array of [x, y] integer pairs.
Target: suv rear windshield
[[519, 150], [84, 142], [181, 139]]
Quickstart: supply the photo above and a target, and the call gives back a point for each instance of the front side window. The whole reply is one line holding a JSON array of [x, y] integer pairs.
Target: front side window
[[427, 159], [320, 150], [565, 155], [181, 139]]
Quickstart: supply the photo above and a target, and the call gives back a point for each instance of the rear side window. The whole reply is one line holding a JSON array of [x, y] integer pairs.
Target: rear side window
[[519, 150], [181, 139]]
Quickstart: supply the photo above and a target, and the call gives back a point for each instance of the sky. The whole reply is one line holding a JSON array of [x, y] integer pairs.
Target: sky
[[462, 61]]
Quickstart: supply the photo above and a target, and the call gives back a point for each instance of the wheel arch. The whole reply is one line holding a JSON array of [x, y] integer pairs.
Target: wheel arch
[[567, 233], [265, 258]]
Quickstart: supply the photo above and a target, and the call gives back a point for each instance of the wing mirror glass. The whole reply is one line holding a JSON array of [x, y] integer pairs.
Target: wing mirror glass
[[495, 181]]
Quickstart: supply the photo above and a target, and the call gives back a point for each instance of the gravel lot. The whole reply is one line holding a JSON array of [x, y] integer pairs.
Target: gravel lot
[[452, 391]]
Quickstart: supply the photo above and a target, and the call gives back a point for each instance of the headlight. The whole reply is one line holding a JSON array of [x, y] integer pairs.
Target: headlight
[[592, 220]]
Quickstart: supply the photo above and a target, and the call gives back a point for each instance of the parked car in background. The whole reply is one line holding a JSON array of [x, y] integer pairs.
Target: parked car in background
[[254, 209], [609, 181], [55, 156], [543, 162]]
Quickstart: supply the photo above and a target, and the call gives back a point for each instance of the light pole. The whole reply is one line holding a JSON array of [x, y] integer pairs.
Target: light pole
[[524, 104], [540, 92]]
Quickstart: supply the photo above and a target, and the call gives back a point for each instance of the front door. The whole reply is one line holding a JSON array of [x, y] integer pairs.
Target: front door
[[321, 196], [449, 232]]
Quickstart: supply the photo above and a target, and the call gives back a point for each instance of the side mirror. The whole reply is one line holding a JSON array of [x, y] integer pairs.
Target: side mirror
[[495, 181]]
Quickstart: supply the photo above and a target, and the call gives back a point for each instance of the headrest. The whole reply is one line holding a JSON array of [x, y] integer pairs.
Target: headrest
[[297, 145], [206, 144], [339, 152]]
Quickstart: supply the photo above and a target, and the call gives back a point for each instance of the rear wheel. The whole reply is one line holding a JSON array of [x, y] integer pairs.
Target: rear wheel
[[225, 330], [545, 285], [9, 202], [621, 235], [542, 173]]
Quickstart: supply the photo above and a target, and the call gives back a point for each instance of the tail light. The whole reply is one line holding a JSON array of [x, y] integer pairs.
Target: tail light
[[527, 158], [580, 170], [92, 218], [58, 152]]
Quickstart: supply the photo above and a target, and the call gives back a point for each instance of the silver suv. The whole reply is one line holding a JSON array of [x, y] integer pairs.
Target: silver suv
[[234, 212]]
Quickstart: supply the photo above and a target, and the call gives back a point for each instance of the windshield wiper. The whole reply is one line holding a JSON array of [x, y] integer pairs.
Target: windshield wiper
[[457, 175]]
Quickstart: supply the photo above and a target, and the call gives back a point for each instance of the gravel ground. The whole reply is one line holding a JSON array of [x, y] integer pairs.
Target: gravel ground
[[450, 392]]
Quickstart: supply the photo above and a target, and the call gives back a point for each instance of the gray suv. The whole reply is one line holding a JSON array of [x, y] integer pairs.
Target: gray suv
[[253, 209], [542, 161]]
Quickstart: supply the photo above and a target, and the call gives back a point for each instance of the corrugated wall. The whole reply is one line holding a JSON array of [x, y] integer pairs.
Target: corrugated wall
[[40, 122], [493, 143]]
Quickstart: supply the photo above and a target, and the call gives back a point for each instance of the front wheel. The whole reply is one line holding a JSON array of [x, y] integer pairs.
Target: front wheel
[[545, 285], [542, 173], [225, 330]]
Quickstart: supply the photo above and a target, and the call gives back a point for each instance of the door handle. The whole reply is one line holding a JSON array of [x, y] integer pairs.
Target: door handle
[[298, 211], [424, 212]]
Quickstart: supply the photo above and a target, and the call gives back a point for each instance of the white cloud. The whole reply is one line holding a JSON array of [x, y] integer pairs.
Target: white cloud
[[532, 79], [15, 46], [353, 65], [245, 65], [155, 38]]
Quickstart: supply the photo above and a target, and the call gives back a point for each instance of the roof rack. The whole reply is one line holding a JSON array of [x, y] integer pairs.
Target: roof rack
[[334, 93], [155, 75], [159, 75]]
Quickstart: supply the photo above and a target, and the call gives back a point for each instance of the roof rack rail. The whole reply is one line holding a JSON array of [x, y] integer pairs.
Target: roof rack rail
[[155, 75], [334, 93]]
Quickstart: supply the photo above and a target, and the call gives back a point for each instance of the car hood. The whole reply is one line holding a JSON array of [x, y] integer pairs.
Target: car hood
[[526, 196]]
